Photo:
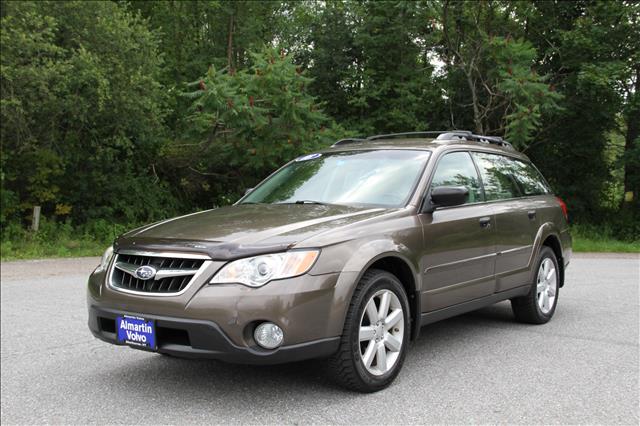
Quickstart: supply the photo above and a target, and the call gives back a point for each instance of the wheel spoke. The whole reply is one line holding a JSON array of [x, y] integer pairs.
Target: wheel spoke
[[392, 319], [367, 358], [550, 274], [540, 288], [392, 342], [367, 332], [381, 357], [545, 301], [372, 312], [385, 299]]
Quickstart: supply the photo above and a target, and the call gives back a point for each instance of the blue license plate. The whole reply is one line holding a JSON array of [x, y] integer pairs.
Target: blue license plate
[[136, 331]]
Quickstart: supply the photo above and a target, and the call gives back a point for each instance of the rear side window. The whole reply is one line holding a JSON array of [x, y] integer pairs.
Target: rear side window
[[497, 173], [529, 178], [457, 169]]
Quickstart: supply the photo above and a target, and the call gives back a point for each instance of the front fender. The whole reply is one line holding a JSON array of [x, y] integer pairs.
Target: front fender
[[356, 258]]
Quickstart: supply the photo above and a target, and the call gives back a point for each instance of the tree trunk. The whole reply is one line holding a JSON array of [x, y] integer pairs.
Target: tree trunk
[[230, 41], [631, 163], [477, 120]]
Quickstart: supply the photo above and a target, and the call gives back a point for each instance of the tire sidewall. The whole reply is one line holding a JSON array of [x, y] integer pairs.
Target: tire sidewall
[[381, 281]]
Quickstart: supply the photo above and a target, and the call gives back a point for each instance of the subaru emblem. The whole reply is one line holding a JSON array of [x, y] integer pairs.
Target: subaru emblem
[[145, 272]]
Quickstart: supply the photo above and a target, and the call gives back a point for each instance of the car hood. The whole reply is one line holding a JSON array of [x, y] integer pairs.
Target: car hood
[[243, 230]]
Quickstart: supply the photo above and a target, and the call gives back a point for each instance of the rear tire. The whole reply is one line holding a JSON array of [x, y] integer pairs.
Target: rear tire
[[376, 333], [539, 305]]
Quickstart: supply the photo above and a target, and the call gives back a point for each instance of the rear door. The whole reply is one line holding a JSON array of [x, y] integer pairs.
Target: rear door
[[459, 249], [516, 220]]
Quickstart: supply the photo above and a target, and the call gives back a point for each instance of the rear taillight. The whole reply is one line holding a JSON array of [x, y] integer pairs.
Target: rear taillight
[[563, 206]]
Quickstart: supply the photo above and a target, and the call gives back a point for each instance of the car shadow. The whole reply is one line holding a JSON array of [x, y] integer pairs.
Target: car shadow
[[157, 375]]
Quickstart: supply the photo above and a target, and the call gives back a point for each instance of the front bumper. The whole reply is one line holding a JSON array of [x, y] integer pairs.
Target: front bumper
[[204, 339], [217, 321]]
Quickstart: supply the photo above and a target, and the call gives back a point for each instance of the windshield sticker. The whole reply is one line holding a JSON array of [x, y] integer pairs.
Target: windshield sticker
[[309, 157]]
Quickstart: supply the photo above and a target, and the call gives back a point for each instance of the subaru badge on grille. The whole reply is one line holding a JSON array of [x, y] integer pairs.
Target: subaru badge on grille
[[146, 272]]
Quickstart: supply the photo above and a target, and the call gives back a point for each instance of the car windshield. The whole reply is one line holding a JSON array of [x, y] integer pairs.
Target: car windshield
[[378, 178]]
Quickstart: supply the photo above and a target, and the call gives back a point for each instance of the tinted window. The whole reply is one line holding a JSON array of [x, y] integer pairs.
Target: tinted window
[[457, 169], [380, 178], [529, 178], [497, 176]]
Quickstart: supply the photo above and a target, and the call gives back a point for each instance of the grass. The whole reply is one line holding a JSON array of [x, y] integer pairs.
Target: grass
[[58, 240], [586, 244], [63, 240], [592, 239], [18, 250]]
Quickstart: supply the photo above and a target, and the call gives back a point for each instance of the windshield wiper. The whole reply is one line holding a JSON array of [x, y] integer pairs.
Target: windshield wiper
[[311, 202], [320, 203]]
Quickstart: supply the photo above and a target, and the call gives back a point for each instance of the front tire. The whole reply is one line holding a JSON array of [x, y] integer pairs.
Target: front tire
[[539, 305], [375, 336]]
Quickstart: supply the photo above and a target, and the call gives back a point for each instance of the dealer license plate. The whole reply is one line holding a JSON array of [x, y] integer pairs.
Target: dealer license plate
[[136, 331]]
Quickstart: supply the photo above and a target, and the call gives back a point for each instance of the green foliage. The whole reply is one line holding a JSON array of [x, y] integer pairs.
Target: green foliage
[[245, 124], [81, 112], [527, 94], [58, 239], [96, 125], [582, 45], [492, 68]]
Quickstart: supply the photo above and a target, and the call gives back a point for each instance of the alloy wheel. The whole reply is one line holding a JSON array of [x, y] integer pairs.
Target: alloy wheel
[[381, 332], [547, 285]]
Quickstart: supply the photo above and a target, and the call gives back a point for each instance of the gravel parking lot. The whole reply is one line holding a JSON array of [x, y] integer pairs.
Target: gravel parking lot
[[482, 367]]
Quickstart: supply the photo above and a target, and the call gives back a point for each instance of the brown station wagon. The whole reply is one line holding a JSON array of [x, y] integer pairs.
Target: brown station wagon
[[342, 254]]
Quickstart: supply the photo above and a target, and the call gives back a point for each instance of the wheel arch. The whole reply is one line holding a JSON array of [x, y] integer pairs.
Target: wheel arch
[[548, 237], [398, 265], [553, 242]]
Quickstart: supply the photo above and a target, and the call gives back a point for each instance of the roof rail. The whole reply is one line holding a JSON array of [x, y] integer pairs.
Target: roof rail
[[346, 141], [411, 134], [439, 135]]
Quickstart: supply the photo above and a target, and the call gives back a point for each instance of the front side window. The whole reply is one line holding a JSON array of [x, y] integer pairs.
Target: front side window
[[457, 169], [497, 176], [384, 178]]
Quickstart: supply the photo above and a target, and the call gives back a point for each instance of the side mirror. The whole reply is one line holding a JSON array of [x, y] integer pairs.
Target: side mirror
[[446, 196], [248, 190]]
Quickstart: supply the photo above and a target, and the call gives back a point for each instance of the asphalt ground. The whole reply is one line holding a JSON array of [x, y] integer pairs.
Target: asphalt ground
[[482, 367]]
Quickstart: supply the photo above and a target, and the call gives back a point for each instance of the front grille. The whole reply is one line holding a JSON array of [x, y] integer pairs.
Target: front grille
[[173, 274]]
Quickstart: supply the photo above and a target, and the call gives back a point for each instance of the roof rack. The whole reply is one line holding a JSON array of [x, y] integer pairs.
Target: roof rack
[[439, 135], [409, 134]]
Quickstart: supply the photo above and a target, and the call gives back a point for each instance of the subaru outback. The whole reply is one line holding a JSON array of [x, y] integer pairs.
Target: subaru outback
[[342, 254]]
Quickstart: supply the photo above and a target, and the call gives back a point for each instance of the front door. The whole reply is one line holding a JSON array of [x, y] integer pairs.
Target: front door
[[459, 242]]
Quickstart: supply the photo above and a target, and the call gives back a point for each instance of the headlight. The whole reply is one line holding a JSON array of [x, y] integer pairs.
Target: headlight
[[106, 258], [259, 270]]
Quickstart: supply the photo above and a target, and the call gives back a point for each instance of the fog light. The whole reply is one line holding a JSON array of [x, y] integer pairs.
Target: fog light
[[268, 335]]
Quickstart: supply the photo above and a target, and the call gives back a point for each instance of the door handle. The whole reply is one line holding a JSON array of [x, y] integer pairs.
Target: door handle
[[531, 214], [485, 222]]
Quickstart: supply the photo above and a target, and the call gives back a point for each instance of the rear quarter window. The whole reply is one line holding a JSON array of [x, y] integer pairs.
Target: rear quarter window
[[529, 178]]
